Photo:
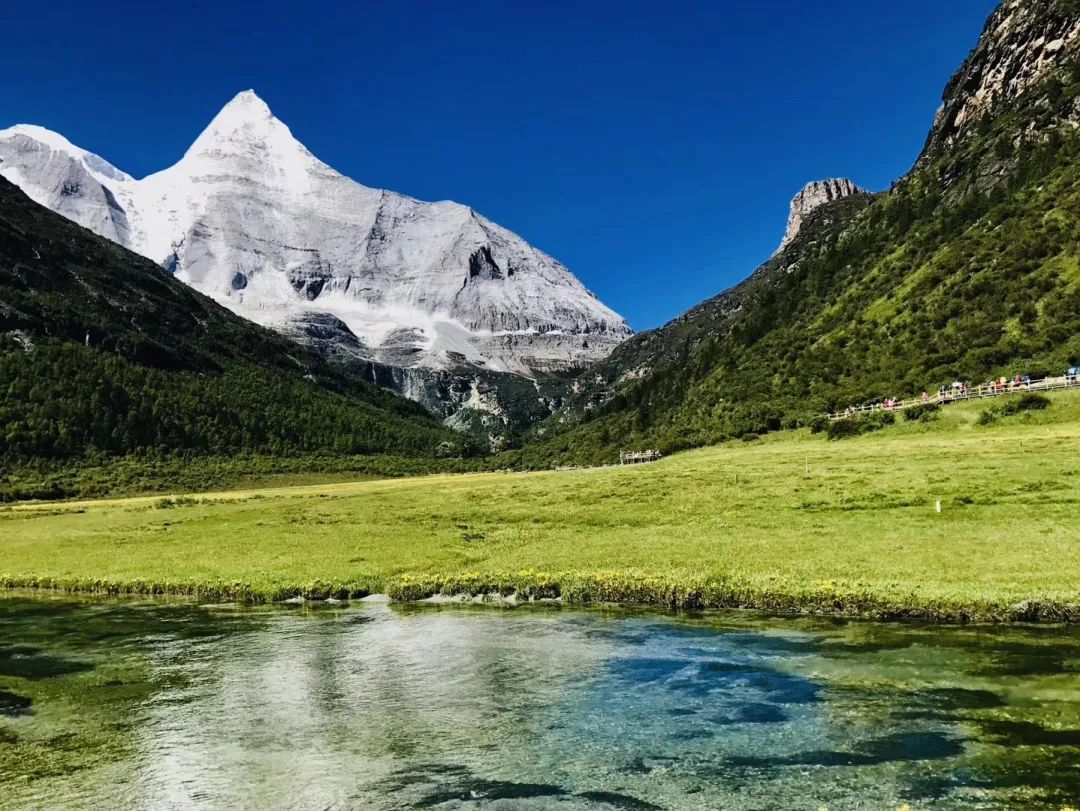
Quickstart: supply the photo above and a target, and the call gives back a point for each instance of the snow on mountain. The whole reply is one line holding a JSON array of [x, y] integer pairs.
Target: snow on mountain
[[69, 180], [251, 218]]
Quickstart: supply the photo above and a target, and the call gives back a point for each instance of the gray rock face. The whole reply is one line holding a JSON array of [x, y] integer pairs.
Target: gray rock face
[[1023, 41], [487, 404], [66, 179], [813, 196]]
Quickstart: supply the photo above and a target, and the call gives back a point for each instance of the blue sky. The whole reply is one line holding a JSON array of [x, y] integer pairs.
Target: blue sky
[[652, 147]]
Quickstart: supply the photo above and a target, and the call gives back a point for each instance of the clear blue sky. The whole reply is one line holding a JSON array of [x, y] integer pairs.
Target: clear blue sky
[[652, 147]]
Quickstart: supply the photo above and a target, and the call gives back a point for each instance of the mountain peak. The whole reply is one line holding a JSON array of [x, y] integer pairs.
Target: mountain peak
[[244, 112], [812, 196], [247, 105], [246, 128]]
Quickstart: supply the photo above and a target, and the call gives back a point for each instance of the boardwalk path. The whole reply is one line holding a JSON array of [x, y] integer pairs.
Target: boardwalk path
[[954, 396]]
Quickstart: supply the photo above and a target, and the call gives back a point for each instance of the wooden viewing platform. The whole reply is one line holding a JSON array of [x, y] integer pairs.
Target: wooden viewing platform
[[954, 395], [638, 457]]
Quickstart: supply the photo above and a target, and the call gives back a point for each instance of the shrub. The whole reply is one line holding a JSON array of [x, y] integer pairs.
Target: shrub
[[819, 424], [842, 429], [1031, 401], [876, 420], [169, 502], [853, 426], [923, 412]]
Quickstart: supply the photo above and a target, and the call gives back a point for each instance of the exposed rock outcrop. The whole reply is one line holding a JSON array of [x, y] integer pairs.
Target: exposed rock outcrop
[[1023, 42], [813, 196]]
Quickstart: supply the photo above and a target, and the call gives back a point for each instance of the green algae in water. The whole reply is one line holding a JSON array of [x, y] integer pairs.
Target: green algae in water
[[125, 704]]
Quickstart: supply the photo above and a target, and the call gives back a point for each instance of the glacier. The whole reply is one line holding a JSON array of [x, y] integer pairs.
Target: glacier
[[252, 219]]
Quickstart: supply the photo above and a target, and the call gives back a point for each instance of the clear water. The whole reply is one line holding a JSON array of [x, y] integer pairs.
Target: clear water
[[120, 704]]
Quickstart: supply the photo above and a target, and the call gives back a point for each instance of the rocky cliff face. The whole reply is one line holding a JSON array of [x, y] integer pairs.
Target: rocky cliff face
[[813, 196], [1023, 43], [251, 218]]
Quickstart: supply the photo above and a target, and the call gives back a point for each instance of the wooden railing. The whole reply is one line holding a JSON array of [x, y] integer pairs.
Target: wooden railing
[[638, 457], [954, 395]]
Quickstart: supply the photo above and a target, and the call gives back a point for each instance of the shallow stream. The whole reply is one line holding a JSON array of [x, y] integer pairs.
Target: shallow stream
[[135, 704]]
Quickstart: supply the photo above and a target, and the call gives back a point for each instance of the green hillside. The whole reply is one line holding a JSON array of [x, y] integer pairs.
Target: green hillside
[[104, 355], [969, 267]]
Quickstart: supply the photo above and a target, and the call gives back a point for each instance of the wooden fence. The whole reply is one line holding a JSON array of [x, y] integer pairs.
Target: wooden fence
[[954, 395]]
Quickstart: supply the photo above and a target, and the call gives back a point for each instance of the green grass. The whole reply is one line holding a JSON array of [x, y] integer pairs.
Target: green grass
[[788, 523]]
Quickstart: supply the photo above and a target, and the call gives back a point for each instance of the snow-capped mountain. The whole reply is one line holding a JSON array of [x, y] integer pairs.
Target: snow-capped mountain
[[250, 217]]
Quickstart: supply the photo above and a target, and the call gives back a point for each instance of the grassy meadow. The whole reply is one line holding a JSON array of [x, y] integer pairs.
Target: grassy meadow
[[791, 522]]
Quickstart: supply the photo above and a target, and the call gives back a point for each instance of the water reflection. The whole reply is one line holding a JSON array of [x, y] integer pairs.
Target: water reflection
[[123, 704]]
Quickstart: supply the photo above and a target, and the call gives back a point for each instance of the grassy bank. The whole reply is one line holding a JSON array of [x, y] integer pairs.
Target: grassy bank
[[793, 522]]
